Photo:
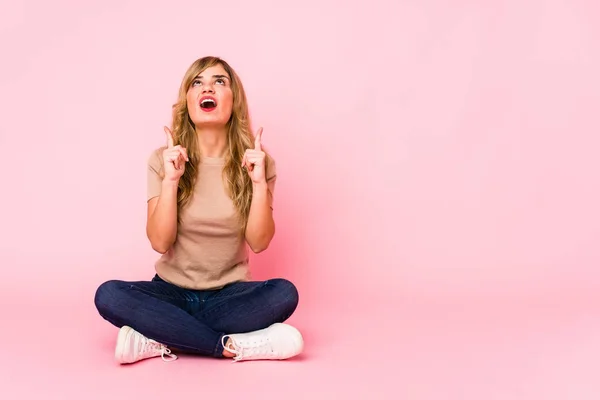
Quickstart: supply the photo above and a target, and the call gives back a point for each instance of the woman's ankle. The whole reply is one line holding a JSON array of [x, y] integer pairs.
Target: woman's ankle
[[227, 353]]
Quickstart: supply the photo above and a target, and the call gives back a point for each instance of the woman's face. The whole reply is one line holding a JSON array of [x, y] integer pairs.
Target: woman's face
[[210, 99]]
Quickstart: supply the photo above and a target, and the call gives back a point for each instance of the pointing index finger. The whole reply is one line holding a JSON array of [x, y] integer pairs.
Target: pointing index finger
[[169, 137], [257, 140]]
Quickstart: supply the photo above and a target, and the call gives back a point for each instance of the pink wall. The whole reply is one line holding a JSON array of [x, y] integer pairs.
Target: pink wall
[[428, 147]]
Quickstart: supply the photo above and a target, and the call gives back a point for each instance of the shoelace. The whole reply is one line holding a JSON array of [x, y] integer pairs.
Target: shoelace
[[150, 346], [248, 349]]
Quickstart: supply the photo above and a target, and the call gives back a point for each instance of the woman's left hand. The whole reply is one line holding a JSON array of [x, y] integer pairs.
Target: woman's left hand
[[254, 160]]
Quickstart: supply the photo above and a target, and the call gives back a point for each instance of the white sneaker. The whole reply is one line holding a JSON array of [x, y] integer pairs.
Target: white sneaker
[[132, 346], [277, 342]]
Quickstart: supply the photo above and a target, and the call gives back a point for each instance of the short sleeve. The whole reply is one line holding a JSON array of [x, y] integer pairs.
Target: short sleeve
[[155, 166]]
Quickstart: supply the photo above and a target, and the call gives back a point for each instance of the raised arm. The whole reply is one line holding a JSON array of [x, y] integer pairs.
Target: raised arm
[[261, 225], [161, 224]]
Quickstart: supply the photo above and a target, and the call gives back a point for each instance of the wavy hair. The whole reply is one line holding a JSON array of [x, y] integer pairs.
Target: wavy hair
[[239, 138]]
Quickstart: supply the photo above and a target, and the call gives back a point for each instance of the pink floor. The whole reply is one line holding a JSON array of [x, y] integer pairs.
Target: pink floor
[[545, 347]]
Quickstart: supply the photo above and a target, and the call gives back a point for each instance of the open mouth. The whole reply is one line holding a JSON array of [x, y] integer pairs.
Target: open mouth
[[208, 103]]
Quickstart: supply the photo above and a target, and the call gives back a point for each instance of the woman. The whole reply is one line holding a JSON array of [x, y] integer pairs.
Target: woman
[[210, 195]]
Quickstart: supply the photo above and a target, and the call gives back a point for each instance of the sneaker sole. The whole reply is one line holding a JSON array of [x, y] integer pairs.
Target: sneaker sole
[[121, 340]]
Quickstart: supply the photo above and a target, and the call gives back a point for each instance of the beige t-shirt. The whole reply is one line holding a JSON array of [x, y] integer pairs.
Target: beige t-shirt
[[209, 250]]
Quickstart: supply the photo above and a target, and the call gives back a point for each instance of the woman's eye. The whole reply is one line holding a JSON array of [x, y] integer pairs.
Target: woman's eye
[[196, 82], [220, 81]]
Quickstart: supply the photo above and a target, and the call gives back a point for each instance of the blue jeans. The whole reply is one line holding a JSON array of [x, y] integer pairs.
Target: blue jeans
[[194, 321]]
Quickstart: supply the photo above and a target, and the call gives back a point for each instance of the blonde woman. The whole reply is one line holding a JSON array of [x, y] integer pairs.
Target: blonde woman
[[210, 198]]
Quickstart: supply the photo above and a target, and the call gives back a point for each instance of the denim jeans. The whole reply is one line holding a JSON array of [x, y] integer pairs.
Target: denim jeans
[[194, 321]]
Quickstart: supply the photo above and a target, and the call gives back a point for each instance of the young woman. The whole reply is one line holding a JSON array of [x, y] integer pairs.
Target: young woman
[[210, 197]]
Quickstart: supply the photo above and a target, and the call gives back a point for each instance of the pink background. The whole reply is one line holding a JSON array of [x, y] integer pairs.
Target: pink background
[[437, 199]]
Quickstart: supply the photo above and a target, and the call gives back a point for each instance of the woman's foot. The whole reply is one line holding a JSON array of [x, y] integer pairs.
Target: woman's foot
[[132, 346], [277, 342]]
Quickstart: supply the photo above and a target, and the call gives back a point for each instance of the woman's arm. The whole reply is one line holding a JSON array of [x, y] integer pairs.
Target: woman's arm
[[161, 222], [161, 226], [261, 226]]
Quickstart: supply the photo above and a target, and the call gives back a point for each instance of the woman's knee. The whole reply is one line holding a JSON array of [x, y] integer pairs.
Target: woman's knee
[[287, 297], [106, 295]]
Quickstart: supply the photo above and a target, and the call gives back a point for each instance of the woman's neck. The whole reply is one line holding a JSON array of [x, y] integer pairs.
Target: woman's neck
[[212, 141]]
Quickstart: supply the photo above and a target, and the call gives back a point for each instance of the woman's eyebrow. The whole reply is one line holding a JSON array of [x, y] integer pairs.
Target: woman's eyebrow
[[214, 76]]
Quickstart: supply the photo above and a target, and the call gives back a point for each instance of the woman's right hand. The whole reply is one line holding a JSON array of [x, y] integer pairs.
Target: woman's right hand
[[174, 159]]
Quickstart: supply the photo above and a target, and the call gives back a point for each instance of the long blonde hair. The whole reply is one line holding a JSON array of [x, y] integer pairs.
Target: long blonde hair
[[239, 138]]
